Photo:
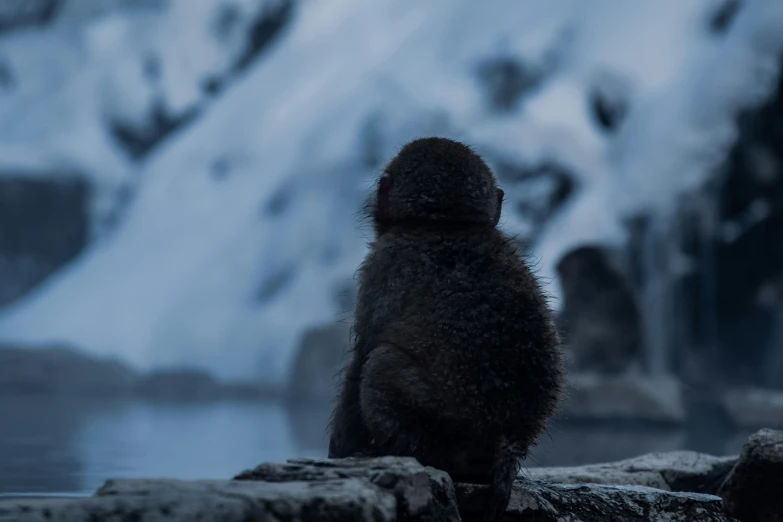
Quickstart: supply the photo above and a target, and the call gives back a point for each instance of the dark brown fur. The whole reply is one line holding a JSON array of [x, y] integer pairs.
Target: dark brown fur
[[455, 361]]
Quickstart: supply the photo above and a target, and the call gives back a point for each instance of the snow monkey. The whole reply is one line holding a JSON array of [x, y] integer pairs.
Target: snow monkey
[[455, 358]]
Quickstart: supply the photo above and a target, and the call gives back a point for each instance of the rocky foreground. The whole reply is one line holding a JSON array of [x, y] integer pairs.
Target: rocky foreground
[[672, 487]]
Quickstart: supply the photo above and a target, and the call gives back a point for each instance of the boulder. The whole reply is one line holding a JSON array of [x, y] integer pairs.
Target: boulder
[[627, 396], [318, 360], [754, 407], [601, 320], [685, 471], [381, 489], [753, 491]]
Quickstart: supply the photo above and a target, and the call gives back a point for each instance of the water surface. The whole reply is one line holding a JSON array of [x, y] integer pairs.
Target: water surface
[[64, 447]]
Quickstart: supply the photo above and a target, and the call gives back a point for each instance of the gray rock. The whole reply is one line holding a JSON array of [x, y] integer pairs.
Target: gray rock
[[753, 491], [595, 503], [686, 471], [318, 360], [754, 407], [225, 501], [624, 397], [62, 371], [388, 488], [422, 493], [601, 320]]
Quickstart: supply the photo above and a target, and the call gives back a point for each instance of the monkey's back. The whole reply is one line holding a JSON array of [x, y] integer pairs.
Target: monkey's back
[[463, 305]]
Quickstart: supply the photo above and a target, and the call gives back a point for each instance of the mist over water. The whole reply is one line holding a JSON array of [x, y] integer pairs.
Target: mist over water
[[72, 446]]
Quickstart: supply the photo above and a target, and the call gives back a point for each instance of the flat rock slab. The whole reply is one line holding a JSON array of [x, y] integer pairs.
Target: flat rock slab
[[377, 490], [542, 502], [422, 493], [753, 491], [225, 501], [670, 471]]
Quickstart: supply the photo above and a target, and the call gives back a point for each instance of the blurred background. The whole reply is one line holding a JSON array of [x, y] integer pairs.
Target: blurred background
[[180, 181]]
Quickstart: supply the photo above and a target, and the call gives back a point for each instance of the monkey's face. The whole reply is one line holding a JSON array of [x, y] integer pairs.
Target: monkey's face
[[435, 180]]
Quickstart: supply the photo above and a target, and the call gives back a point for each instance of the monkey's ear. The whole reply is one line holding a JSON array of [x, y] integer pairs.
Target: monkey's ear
[[499, 206], [384, 186]]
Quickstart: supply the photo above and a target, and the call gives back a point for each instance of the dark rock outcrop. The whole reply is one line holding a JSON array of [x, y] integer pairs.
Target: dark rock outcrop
[[601, 321], [753, 491], [748, 253], [44, 223]]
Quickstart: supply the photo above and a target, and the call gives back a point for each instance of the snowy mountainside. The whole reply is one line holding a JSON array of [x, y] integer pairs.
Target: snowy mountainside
[[102, 71], [244, 231]]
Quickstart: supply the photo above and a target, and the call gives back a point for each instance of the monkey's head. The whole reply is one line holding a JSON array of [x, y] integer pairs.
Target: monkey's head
[[436, 181]]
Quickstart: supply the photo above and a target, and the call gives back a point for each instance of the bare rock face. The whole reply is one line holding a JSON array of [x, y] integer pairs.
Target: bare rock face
[[683, 471], [753, 491], [591, 396]]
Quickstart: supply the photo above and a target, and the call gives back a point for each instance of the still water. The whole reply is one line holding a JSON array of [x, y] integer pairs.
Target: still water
[[50, 446]]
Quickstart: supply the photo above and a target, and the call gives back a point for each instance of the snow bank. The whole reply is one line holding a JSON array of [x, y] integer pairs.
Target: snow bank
[[243, 231]]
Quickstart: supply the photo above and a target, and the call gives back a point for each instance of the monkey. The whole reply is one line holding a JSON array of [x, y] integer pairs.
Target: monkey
[[601, 321], [455, 359]]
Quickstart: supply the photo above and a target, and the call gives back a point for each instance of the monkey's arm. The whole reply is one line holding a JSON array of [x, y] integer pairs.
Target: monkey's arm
[[349, 435]]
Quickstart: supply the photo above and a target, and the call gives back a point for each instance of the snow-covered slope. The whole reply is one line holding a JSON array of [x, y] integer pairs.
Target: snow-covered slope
[[97, 65], [244, 228]]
